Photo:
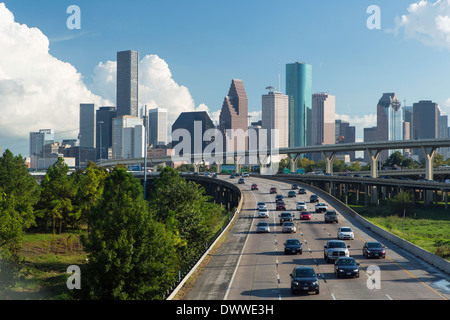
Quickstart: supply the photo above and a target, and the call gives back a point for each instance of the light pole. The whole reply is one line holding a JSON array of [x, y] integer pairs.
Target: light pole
[[145, 149], [79, 151], [101, 148]]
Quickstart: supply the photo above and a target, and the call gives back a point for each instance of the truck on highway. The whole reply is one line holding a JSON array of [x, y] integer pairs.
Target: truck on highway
[[334, 249]]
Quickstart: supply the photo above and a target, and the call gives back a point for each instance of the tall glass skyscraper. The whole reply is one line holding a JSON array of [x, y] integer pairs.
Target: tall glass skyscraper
[[299, 90], [389, 121], [127, 83]]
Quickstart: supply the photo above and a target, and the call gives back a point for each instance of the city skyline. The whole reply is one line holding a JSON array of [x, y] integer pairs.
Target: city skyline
[[354, 70]]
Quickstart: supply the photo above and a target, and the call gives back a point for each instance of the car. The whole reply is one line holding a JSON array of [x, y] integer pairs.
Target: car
[[245, 175], [285, 216], [305, 215], [261, 205], [304, 279], [301, 206], [232, 176], [293, 246], [321, 207], [294, 186], [241, 181], [254, 186], [334, 249], [331, 216], [263, 213], [344, 233], [374, 249], [346, 267], [280, 205], [302, 191], [273, 190], [292, 194], [289, 226], [279, 197], [314, 198], [262, 227]]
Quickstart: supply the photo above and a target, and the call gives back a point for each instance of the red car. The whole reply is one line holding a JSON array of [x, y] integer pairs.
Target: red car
[[273, 190], [305, 215], [281, 205], [254, 186]]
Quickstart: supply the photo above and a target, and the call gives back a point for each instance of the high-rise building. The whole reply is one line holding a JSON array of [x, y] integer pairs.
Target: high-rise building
[[38, 140], [127, 83], [323, 119], [299, 90], [233, 120], [425, 122], [104, 115], [128, 138], [87, 125], [191, 121], [157, 128], [370, 135], [389, 121], [275, 112]]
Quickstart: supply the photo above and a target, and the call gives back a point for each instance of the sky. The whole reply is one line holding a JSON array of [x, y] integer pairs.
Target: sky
[[191, 50]]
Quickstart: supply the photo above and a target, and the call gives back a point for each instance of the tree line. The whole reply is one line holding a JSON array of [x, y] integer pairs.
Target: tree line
[[135, 246]]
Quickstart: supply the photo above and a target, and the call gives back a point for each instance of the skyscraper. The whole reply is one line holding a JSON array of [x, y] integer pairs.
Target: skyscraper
[[87, 125], [323, 119], [128, 138], [233, 120], [104, 130], [299, 90], [127, 83], [389, 121], [275, 111], [157, 129]]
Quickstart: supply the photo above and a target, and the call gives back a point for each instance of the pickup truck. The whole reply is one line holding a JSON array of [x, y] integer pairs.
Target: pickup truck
[[321, 207], [334, 249]]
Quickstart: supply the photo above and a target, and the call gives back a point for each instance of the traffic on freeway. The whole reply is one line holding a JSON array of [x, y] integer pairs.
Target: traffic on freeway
[[298, 246]]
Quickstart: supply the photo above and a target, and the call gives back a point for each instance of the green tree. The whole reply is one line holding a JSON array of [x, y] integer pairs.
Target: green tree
[[403, 204], [396, 158], [57, 195], [16, 182], [131, 256]]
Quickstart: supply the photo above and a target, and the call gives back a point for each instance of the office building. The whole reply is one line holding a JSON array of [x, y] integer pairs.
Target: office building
[[389, 121], [275, 112], [157, 127], [370, 135], [38, 140], [345, 133], [105, 116], [299, 90], [191, 121], [88, 125], [233, 119], [127, 83], [128, 138], [425, 123], [323, 119]]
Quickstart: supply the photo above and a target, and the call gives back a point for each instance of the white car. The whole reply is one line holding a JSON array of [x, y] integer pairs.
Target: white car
[[261, 205], [345, 233], [263, 213], [321, 207], [301, 206]]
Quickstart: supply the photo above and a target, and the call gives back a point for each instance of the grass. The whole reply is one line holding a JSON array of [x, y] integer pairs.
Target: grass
[[45, 258], [428, 227]]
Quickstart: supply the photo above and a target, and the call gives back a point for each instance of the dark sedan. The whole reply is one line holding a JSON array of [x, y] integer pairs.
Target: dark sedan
[[346, 267], [314, 198], [304, 279], [374, 249], [293, 246]]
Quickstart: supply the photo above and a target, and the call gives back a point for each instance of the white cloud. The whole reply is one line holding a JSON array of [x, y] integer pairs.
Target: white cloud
[[426, 21], [37, 91], [157, 88]]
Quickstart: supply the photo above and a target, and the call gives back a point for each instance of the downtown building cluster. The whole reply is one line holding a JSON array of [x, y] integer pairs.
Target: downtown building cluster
[[299, 117]]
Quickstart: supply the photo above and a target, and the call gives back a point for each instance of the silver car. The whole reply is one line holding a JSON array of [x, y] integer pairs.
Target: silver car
[[301, 206], [263, 213], [289, 226], [262, 227]]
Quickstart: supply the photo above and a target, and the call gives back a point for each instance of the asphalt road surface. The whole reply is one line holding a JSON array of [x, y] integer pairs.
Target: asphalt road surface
[[253, 266]]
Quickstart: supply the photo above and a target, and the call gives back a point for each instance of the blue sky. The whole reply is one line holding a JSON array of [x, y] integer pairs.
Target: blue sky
[[208, 43]]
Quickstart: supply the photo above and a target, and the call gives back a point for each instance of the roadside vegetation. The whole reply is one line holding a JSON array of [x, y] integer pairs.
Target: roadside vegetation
[[127, 247]]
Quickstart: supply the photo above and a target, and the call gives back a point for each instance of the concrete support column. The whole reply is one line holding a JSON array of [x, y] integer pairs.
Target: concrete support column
[[329, 158], [374, 154], [293, 159], [429, 154]]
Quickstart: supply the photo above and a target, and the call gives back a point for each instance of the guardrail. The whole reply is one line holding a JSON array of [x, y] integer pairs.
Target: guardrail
[[185, 277]]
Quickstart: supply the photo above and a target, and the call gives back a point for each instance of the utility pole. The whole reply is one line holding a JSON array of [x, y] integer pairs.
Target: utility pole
[[145, 150]]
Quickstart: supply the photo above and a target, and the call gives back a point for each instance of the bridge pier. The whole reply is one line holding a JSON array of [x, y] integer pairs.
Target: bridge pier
[[329, 158], [293, 159]]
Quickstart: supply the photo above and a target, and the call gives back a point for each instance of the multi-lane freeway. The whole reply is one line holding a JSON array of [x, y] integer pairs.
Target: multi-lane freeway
[[251, 265]]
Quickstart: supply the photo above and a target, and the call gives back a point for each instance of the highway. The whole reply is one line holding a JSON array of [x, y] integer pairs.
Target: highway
[[253, 266]]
